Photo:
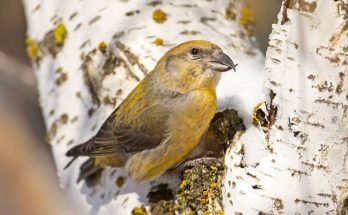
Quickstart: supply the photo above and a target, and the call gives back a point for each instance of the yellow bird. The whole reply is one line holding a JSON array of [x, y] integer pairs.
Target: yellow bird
[[163, 119]]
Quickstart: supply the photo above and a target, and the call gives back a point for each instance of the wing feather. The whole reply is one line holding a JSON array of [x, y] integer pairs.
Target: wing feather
[[145, 132]]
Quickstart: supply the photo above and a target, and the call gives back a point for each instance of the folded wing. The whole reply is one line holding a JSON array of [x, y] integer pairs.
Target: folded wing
[[118, 135]]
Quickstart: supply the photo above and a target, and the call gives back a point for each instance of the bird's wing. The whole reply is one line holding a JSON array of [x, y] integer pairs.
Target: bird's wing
[[145, 131]]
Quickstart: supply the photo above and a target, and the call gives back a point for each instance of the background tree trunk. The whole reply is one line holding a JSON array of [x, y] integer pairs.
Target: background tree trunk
[[89, 55]]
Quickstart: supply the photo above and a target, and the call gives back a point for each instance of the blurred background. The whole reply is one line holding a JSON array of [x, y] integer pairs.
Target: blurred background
[[28, 181]]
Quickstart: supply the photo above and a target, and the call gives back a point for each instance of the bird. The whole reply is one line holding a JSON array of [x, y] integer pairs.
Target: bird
[[163, 119]]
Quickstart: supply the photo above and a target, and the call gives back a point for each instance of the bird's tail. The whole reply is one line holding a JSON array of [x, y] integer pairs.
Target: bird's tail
[[90, 172], [77, 151], [70, 162]]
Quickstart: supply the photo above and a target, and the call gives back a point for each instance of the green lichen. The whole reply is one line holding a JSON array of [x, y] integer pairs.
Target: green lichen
[[53, 41], [59, 34], [163, 207], [199, 190]]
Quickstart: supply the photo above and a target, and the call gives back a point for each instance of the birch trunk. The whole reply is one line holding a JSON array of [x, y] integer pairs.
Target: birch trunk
[[303, 169], [88, 55]]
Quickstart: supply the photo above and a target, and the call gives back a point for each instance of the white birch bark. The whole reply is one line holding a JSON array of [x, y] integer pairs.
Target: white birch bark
[[305, 168], [88, 55]]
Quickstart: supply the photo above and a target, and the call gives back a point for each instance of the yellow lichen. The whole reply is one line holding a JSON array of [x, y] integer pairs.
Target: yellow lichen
[[59, 34], [159, 16], [213, 167], [158, 41], [140, 211], [102, 46], [32, 49], [213, 185], [255, 120], [183, 184], [82, 55], [247, 16], [247, 19], [28, 41], [120, 181]]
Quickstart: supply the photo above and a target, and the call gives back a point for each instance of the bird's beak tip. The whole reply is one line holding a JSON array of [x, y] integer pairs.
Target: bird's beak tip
[[234, 67], [225, 63]]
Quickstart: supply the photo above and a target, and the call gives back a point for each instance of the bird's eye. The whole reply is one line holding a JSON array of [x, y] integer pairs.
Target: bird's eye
[[194, 51]]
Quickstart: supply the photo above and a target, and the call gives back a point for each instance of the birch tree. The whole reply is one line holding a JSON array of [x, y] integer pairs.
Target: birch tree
[[304, 120], [89, 55]]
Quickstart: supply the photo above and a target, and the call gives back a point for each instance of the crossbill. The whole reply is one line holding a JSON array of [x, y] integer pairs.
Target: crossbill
[[163, 119]]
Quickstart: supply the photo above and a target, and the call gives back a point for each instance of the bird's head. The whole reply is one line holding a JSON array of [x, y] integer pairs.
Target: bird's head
[[193, 65]]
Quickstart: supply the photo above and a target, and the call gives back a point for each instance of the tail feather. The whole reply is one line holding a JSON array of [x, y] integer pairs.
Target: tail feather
[[70, 162], [76, 152], [90, 172], [80, 149]]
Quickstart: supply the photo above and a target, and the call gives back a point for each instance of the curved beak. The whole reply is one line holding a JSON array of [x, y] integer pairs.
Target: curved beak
[[222, 63]]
